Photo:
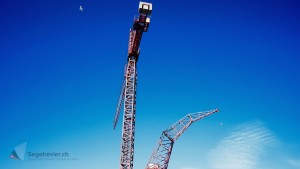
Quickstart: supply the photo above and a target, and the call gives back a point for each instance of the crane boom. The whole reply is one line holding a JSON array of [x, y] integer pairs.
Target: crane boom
[[161, 155], [140, 25]]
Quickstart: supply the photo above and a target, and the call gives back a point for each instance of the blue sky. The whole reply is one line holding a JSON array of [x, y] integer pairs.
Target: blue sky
[[61, 72]]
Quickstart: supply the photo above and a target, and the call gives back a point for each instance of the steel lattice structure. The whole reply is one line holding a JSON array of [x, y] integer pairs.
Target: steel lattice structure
[[127, 148], [161, 155], [128, 91]]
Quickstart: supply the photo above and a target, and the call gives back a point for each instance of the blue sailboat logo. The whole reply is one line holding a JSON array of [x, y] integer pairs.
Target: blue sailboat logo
[[19, 152]]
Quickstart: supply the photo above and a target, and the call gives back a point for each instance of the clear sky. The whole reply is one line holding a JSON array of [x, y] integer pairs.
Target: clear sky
[[61, 72]]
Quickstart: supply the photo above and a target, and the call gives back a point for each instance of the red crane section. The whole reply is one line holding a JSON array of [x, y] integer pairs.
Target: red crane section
[[140, 25]]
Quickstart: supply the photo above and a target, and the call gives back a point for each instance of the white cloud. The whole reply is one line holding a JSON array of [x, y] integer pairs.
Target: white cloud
[[294, 162], [242, 148]]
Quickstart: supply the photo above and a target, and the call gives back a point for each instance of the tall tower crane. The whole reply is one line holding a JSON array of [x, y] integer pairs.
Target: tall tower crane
[[128, 91], [161, 155]]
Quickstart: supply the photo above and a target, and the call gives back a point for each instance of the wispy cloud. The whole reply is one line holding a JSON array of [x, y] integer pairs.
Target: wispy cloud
[[242, 148], [294, 162]]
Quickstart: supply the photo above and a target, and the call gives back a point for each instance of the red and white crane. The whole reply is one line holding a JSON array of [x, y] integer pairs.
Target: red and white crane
[[128, 91], [161, 155]]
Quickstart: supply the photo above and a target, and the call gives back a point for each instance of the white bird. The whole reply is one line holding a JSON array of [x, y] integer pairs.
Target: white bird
[[81, 8]]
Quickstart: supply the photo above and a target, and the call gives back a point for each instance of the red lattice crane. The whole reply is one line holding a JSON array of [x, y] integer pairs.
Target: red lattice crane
[[161, 155], [128, 91]]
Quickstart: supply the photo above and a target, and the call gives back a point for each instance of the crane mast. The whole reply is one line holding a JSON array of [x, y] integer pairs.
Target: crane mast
[[128, 91], [161, 155]]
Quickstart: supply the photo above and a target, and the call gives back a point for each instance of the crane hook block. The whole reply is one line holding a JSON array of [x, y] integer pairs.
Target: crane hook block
[[145, 8]]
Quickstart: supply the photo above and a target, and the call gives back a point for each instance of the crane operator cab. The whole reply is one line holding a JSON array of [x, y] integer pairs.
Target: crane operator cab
[[145, 10]]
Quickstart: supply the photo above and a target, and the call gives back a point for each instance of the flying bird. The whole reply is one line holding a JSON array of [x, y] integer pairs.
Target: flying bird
[[81, 8]]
